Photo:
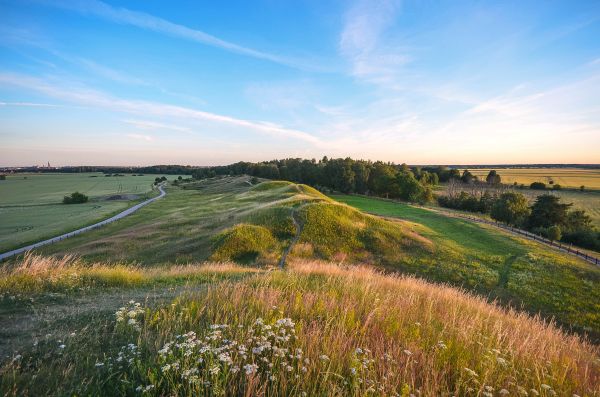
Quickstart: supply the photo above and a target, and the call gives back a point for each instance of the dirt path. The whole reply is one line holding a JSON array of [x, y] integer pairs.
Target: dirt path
[[56, 239]]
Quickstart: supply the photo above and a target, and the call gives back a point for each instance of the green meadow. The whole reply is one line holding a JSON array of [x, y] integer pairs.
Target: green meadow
[[376, 298], [31, 206], [229, 219]]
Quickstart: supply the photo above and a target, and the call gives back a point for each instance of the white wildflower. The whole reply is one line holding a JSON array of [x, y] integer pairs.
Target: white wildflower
[[250, 369]]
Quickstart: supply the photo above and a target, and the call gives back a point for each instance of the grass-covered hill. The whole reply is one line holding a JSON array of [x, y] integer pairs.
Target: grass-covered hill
[[231, 219], [312, 329]]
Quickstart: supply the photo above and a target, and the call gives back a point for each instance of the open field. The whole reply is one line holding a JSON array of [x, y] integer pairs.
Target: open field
[[31, 204], [314, 329], [228, 219], [137, 312], [566, 177]]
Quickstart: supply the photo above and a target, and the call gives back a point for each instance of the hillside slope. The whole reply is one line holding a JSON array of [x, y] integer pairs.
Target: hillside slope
[[229, 219], [313, 329]]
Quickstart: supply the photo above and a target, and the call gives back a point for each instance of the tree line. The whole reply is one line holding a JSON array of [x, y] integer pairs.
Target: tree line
[[346, 175]]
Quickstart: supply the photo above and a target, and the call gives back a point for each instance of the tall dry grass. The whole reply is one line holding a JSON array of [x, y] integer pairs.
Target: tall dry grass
[[380, 334], [319, 329]]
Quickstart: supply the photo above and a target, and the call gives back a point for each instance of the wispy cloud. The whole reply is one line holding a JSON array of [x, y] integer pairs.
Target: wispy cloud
[[30, 104], [150, 22], [361, 39], [88, 97], [141, 137], [153, 125]]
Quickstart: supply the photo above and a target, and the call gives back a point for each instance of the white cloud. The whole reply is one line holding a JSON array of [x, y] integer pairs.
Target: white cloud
[[159, 25], [30, 104], [361, 40], [153, 125], [141, 137], [93, 98]]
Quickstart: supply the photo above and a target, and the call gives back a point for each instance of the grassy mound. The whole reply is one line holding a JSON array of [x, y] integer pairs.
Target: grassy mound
[[333, 230], [270, 185], [314, 330], [244, 243]]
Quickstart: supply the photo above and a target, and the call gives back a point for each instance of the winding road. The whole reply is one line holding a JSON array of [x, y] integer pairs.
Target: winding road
[[56, 239]]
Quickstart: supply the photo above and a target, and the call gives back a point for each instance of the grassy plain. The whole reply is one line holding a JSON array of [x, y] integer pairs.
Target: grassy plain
[[31, 206], [230, 220], [566, 177], [314, 329]]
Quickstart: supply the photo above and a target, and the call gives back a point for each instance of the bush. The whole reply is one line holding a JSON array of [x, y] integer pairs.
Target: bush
[[584, 238], [556, 187], [511, 208], [75, 198], [538, 186], [554, 233], [243, 243]]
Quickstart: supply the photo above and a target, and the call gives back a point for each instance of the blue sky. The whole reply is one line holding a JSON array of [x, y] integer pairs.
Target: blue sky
[[197, 82]]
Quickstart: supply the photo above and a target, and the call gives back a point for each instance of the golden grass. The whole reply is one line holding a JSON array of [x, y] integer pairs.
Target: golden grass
[[353, 331], [38, 274]]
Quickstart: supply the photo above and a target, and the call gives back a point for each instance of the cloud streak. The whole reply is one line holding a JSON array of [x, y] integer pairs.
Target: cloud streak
[[361, 37], [153, 125], [159, 25], [92, 98]]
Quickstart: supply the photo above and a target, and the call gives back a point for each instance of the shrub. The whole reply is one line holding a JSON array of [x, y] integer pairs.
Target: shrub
[[243, 243], [511, 208], [556, 187], [584, 238], [538, 186], [554, 233], [75, 198]]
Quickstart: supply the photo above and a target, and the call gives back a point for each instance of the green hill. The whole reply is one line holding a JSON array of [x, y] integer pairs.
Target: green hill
[[229, 219]]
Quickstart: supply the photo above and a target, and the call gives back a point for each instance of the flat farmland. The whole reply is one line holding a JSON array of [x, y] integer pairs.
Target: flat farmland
[[31, 206], [566, 177]]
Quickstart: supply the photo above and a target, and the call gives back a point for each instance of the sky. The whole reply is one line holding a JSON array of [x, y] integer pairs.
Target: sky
[[87, 82]]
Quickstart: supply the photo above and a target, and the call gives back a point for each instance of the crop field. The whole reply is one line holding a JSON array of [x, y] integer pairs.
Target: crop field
[[566, 177], [31, 206]]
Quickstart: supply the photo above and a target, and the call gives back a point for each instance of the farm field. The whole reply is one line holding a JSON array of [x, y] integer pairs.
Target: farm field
[[31, 204], [566, 177], [228, 219]]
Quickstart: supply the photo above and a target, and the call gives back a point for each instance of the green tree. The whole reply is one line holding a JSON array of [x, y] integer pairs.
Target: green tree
[[577, 221], [381, 179], [493, 178], [548, 211], [511, 208], [467, 177], [410, 188]]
